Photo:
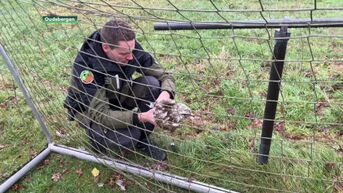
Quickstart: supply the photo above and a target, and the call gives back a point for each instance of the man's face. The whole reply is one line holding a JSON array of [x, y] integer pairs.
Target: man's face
[[122, 54]]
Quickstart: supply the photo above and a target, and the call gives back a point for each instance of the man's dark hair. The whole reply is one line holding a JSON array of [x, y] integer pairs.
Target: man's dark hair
[[115, 31]]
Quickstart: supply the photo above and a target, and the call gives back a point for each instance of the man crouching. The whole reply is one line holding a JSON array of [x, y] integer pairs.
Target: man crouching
[[102, 94]]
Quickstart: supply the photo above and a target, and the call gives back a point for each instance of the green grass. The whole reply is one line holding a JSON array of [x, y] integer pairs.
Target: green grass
[[221, 83], [76, 176]]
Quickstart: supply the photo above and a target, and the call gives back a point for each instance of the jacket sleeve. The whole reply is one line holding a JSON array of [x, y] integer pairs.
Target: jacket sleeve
[[100, 112], [150, 68]]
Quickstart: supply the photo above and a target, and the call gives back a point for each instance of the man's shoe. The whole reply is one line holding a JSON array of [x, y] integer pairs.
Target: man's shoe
[[149, 147]]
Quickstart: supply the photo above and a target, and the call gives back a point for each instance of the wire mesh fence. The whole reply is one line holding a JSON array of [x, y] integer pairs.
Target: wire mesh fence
[[221, 74]]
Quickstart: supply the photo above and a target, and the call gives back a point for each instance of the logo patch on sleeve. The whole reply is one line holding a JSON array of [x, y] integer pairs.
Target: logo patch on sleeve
[[87, 77]]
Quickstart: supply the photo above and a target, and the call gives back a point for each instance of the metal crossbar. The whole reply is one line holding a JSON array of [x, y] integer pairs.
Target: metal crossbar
[[252, 24]]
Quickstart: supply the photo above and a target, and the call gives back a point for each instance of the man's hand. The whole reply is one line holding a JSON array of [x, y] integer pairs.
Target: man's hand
[[147, 116], [163, 96]]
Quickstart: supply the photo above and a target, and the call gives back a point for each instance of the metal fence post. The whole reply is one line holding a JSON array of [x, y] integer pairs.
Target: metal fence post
[[281, 39]]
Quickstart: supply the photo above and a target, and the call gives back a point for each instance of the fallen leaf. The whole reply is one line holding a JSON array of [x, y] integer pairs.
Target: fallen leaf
[[197, 121], [230, 73], [79, 172], [56, 176], [329, 165], [224, 128], [205, 87], [255, 124], [96, 180], [340, 150], [1, 128], [46, 161], [121, 185], [320, 107], [118, 180], [231, 111], [190, 179], [280, 127], [4, 106], [340, 133], [25, 141], [339, 186], [3, 146], [43, 163], [160, 166], [111, 181], [32, 154], [251, 143], [17, 187], [294, 136], [250, 116], [325, 129], [216, 82], [61, 163], [95, 172], [60, 134], [65, 171]]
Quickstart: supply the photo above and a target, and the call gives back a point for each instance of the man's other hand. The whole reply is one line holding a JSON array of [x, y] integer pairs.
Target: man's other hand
[[163, 96]]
